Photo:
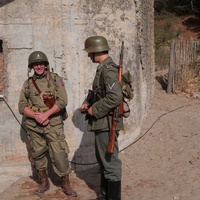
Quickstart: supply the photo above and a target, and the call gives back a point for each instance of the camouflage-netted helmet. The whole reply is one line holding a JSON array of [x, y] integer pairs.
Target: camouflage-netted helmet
[[37, 56], [96, 44]]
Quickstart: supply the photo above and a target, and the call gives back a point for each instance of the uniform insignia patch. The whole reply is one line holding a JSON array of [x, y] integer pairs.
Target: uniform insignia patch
[[111, 86]]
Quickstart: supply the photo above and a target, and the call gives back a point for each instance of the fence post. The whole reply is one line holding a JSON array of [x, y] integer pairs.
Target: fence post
[[170, 87]]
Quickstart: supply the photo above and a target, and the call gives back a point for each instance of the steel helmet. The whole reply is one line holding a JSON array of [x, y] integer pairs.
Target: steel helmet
[[37, 56], [96, 44]]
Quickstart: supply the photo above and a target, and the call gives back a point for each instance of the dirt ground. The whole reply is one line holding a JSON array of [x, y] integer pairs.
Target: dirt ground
[[163, 164]]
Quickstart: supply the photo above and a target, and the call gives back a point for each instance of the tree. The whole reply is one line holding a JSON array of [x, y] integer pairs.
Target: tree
[[183, 7]]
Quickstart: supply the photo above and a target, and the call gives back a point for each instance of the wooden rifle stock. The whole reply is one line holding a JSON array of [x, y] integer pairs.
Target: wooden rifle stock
[[111, 144], [119, 110]]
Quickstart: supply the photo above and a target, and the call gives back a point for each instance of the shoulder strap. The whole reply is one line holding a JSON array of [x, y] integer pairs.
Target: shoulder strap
[[53, 78], [34, 83], [112, 64]]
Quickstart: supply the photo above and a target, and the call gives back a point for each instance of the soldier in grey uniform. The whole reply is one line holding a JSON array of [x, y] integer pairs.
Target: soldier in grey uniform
[[106, 95], [42, 100]]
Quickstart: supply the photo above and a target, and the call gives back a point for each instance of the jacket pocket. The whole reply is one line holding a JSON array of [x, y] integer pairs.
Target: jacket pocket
[[98, 124]]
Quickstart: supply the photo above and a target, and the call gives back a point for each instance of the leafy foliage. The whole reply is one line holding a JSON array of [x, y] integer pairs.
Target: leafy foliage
[[177, 7], [168, 14], [164, 32]]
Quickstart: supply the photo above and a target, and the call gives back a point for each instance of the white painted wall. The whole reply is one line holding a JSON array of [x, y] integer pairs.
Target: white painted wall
[[59, 29]]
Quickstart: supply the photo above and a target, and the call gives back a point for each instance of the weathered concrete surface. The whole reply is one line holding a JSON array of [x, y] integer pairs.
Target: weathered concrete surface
[[59, 28]]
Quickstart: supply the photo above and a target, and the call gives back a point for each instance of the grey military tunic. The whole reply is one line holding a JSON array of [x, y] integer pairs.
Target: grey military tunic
[[106, 75]]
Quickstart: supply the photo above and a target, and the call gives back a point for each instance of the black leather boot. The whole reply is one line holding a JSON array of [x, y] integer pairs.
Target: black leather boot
[[103, 188], [114, 190]]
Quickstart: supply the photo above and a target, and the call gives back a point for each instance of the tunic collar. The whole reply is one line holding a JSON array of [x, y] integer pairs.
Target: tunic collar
[[105, 62], [35, 76]]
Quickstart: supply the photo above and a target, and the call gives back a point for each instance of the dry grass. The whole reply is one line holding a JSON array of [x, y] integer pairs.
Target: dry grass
[[187, 81]]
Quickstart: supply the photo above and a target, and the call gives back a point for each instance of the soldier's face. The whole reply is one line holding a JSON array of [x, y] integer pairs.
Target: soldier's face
[[39, 68]]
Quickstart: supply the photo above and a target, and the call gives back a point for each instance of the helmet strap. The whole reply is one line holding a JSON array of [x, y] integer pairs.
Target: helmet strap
[[93, 57], [29, 71]]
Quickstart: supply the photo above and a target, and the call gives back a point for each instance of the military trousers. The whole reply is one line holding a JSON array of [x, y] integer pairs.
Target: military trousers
[[54, 142], [110, 164]]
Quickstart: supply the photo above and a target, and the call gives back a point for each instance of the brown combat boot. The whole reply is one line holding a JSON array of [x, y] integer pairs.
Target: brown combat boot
[[65, 185], [44, 183]]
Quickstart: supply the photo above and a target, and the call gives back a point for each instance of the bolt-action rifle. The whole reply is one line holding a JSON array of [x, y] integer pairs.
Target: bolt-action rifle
[[117, 111]]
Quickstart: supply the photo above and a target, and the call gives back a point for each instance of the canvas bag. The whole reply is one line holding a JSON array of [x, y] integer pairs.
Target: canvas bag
[[127, 91]]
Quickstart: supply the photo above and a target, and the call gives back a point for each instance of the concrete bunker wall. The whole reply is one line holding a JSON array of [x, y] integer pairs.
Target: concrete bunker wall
[[59, 28]]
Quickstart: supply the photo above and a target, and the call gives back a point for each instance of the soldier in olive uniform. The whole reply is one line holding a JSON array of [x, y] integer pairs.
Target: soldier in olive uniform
[[106, 95], [42, 99]]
